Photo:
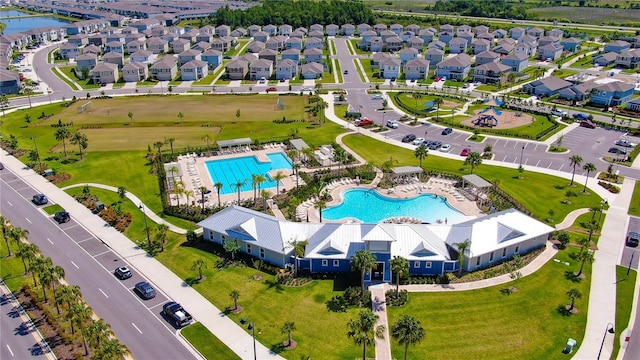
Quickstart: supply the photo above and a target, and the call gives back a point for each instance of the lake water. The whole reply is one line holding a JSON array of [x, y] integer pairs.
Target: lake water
[[24, 24]]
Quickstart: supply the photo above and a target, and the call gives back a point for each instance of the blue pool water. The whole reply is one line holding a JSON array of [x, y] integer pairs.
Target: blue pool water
[[369, 206], [230, 171]]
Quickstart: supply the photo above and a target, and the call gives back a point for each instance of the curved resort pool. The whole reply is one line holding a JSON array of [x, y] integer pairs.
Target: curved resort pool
[[369, 206]]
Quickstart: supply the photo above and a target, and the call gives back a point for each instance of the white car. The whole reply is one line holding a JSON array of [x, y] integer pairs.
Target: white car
[[392, 124], [262, 80], [445, 148], [306, 88], [418, 141], [377, 97]]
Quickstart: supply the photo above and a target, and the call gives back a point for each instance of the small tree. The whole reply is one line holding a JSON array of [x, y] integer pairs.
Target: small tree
[[199, 265], [180, 116], [288, 327], [400, 266], [584, 257], [462, 247], [563, 237], [235, 295], [573, 294], [408, 331], [231, 246]]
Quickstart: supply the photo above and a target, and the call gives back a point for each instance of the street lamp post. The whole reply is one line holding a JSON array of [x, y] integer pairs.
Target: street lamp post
[[37, 152], [609, 329], [253, 333], [146, 226], [49, 93]]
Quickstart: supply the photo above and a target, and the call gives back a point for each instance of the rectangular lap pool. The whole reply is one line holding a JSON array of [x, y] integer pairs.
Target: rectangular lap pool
[[232, 171]]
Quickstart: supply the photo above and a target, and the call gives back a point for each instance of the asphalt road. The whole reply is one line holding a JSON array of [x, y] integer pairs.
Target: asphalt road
[[89, 263]]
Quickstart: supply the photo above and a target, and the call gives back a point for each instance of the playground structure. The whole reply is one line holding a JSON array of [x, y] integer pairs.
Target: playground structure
[[498, 119]]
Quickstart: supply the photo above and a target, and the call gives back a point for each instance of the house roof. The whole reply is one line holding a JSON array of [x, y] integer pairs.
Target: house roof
[[552, 83], [104, 66], [610, 56], [493, 66], [212, 53], [193, 64], [291, 52], [112, 55], [134, 66], [460, 60], [418, 62], [488, 54], [516, 57], [145, 53], [390, 61], [434, 51], [618, 43], [571, 40], [615, 86], [313, 51], [312, 67], [261, 63], [479, 42], [457, 41], [88, 56], [408, 51], [287, 63], [190, 52]]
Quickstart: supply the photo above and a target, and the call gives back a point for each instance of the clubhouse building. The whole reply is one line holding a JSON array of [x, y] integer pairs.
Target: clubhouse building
[[429, 248]]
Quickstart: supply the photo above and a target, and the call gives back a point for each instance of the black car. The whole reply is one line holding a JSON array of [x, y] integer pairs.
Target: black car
[[123, 273], [435, 145], [633, 239], [1, 166], [447, 131], [39, 199], [617, 150], [62, 217], [408, 138], [145, 290]]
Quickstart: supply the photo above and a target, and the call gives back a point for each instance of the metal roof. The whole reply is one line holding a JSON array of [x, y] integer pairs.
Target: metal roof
[[234, 142]]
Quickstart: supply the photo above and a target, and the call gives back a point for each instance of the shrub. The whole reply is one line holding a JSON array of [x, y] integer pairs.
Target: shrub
[[397, 298], [612, 188]]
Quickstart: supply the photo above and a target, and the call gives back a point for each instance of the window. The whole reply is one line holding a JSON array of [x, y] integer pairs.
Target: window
[[336, 263], [517, 249], [416, 264], [325, 262], [248, 248], [262, 253], [427, 265], [478, 261], [504, 252], [491, 256]]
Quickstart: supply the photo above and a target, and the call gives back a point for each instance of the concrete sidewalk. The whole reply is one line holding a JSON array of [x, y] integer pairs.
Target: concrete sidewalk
[[235, 337]]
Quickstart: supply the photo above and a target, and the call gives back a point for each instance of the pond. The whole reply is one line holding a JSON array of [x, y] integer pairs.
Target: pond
[[16, 24]]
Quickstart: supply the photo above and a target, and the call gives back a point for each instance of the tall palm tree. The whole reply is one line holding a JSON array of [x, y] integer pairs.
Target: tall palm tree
[[122, 193], [203, 191], [474, 159], [170, 141], [320, 205], [363, 260], [27, 253], [16, 234], [260, 179], [44, 267], [417, 96], [364, 331], [277, 177], [254, 185], [584, 257], [288, 328], [408, 331], [80, 315], [178, 190], [239, 184], [421, 152], [180, 116], [573, 294], [400, 266], [219, 186], [235, 295], [296, 169], [110, 349], [265, 195], [57, 274], [62, 134], [339, 154], [437, 102], [574, 162], [588, 167], [69, 295], [80, 139], [199, 264], [299, 248], [462, 248], [98, 332], [161, 235], [188, 194], [5, 226]]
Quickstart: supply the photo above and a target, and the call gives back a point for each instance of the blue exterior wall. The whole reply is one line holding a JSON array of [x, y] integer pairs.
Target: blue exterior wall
[[344, 265], [434, 269]]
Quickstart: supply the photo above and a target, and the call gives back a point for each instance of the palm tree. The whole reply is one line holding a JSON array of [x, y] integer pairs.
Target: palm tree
[[293, 155], [339, 155], [110, 349], [130, 115], [98, 332], [474, 159], [421, 152], [320, 205], [43, 266], [189, 193], [161, 235], [462, 248], [170, 141], [254, 185], [573, 294], [69, 294], [16, 234], [277, 177], [288, 327], [575, 161], [584, 256], [259, 180], [57, 273], [81, 140], [199, 264], [158, 145], [206, 140], [400, 266], [180, 116], [231, 246], [81, 315], [5, 226], [122, 193], [28, 91], [219, 186], [407, 331], [202, 190], [239, 185], [265, 195], [437, 102], [62, 134], [27, 252], [296, 168], [235, 295], [299, 248], [588, 167], [416, 97], [364, 331], [363, 260]]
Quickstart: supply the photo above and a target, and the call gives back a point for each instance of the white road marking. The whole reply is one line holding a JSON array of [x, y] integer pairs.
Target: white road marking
[[29, 221], [548, 167], [105, 295], [561, 166], [134, 325], [49, 240], [74, 264], [504, 158], [537, 163], [10, 351], [10, 204]]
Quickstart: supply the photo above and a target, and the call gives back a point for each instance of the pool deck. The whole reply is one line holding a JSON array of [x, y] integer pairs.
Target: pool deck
[[195, 174], [440, 187]]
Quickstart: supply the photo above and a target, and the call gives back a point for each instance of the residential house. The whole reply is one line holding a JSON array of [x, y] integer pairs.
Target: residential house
[[316, 35], [239, 32], [237, 69], [516, 33], [362, 28], [605, 59], [416, 69], [367, 36], [481, 29], [136, 46], [635, 41], [487, 57], [9, 82], [260, 68], [135, 72], [426, 35], [204, 37], [212, 57], [463, 29], [157, 45], [86, 62], [297, 34], [142, 56], [407, 54], [375, 44], [550, 52], [504, 48], [434, 56], [348, 30], [293, 54], [180, 45], [377, 57], [517, 62], [204, 46], [114, 58], [393, 43], [491, 73], [571, 44], [396, 28], [579, 92], [159, 31], [165, 68], [294, 43], [480, 46], [390, 67], [208, 29], [416, 43], [188, 55], [114, 37], [617, 46], [612, 93], [301, 30], [190, 35], [253, 29], [256, 47], [97, 40], [316, 27], [468, 37], [276, 43], [437, 44], [556, 33], [272, 30], [312, 70], [528, 39], [70, 51], [379, 28], [332, 30], [406, 35], [194, 70], [268, 54], [134, 37], [285, 30], [105, 73], [287, 69], [546, 40], [91, 49], [454, 68], [458, 46], [527, 49], [535, 32], [545, 87], [487, 36], [312, 55], [115, 46], [501, 33], [628, 58], [414, 28], [633, 105], [78, 40], [446, 33], [261, 36], [223, 30]]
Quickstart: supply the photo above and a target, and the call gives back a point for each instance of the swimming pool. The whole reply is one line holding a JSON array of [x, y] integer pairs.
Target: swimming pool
[[369, 206], [231, 171]]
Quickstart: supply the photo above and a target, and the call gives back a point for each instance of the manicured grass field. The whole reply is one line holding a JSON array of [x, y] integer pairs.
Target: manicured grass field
[[366, 64], [634, 207], [524, 325], [418, 105], [625, 287], [554, 188], [207, 344], [86, 84], [587, 15]]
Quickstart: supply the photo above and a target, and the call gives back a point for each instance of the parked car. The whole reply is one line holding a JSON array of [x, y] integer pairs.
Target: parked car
[[145, 290], [122, 273], [558, 112], [588, 124], [447, 131], [263, 80], [445, 148], [580, 116], [418, 141], [377, 97], [393, 79], [392, 124], [62, 217], [39, 199], [465, 152], [633, 238], [625, 143], [306, 88], [435, 145], [272, 89], [436, 79], [177, 314], [364, 122], [617, 150], [346, 72], [408, 138]]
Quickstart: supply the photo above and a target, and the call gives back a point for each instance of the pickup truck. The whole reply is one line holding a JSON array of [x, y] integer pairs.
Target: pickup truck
[[177, 314]]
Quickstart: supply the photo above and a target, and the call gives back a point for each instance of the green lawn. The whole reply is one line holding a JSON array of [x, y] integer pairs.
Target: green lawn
[[625, 287], [417, 105], [354, 45], [634, 207], [563, 73], [207, 344], [524, 325], [371, 73], [554, 188], [585, 62], [207, 80], [86, 84]]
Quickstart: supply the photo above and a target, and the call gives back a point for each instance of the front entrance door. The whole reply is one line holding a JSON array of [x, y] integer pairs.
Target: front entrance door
[[378, 271]]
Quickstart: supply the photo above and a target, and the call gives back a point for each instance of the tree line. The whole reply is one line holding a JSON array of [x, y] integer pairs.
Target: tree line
[[493, 9]]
